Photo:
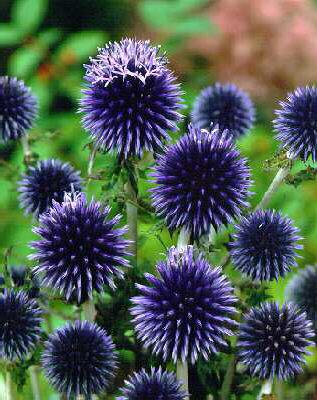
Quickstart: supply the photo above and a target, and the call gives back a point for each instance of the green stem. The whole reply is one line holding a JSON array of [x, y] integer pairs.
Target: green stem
[[34, 375], [26, 149], [91, 160], [265, 389], [9, 387], [89, 310], [132, 219], [228, 379]]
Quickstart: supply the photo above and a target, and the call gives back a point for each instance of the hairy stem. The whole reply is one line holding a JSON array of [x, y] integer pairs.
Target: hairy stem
[[89, 310], [183, 239], [228, 379], [182, 375], [265, 389], [132, 219], [34, 375], [91, 160], [276, 183], [9, 390]]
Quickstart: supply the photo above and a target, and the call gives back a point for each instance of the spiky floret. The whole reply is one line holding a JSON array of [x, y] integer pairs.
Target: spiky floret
[[79, 359], [273, 340], [224, 105], [264, 245], [156, 385], [79, 250], [302, 290], [131, 98], [45, 182], [18, 108], [185, 312], [20, 320], [296, 123], [201, 181]]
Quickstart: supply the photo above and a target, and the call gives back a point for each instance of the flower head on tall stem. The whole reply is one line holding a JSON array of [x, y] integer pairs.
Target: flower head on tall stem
[[226, 106], [131, 98], [187, 310], [79, 249], [18, 108], [201, 182]]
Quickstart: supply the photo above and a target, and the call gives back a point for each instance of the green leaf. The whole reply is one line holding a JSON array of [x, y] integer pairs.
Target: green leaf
[[49, 36], [27, 15], [193, 26], [9, 35], [24, 61], [81, 45]]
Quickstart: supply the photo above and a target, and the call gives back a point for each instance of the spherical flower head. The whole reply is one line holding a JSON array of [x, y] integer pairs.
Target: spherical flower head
[[224, 105], [131, 98], [18, 108], [19, 324], [45, 182], [186, 311], [264, 245], [79, 249], [201, 182], [156, 385], [296, 123], [79, 359], [273, 340], [302, 290]]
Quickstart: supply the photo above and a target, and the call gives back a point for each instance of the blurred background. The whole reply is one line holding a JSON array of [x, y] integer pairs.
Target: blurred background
[[267, 47]]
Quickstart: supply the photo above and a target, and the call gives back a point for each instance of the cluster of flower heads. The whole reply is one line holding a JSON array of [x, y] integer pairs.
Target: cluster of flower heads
[[79, 249], [226, 106], [185, 312], [201, 182], [18, 108], [131, 98]]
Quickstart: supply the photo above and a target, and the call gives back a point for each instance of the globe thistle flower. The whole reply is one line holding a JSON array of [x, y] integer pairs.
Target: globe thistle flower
[[201, 182], [131, 98], [264, 245], [19, 324], [273, 340], [79, 359], [18, 108], [185, 312], [302, 290], [79, 250], [45, 182], [226, 106], [156, 385], [296, 123]]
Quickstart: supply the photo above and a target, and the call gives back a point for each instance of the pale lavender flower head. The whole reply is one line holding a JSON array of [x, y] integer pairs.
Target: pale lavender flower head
[[80, 249], [79, 359], [224, 105], [201, 182], [264, 245], [155, 385], [273, 340], [296, 123], [185, 312], [131, 98], [18, 108]]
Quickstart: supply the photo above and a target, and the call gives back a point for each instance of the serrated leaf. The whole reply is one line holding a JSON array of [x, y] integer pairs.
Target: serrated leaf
[[27, 15], [24, 61]]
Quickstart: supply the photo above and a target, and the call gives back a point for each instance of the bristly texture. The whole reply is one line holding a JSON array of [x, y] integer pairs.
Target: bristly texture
[[296, 123], [79, 250], [185, 312], [264, 245], [156, 385], [18, 108], [19, 324], [224, 105], [47, 181], [131, 98], [273, 340], [201, 182], [79, 359], [302, 290]]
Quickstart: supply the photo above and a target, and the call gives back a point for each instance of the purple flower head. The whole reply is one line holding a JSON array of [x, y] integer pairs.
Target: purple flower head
[[264, 245], [18, 108], [45, 182], [19, 324], [79, 359], [296, 123], [273, 340], [79, 249], [302, 290], [224, 105], [201, 182], [156, 385], [185, 312], [131, 98]]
